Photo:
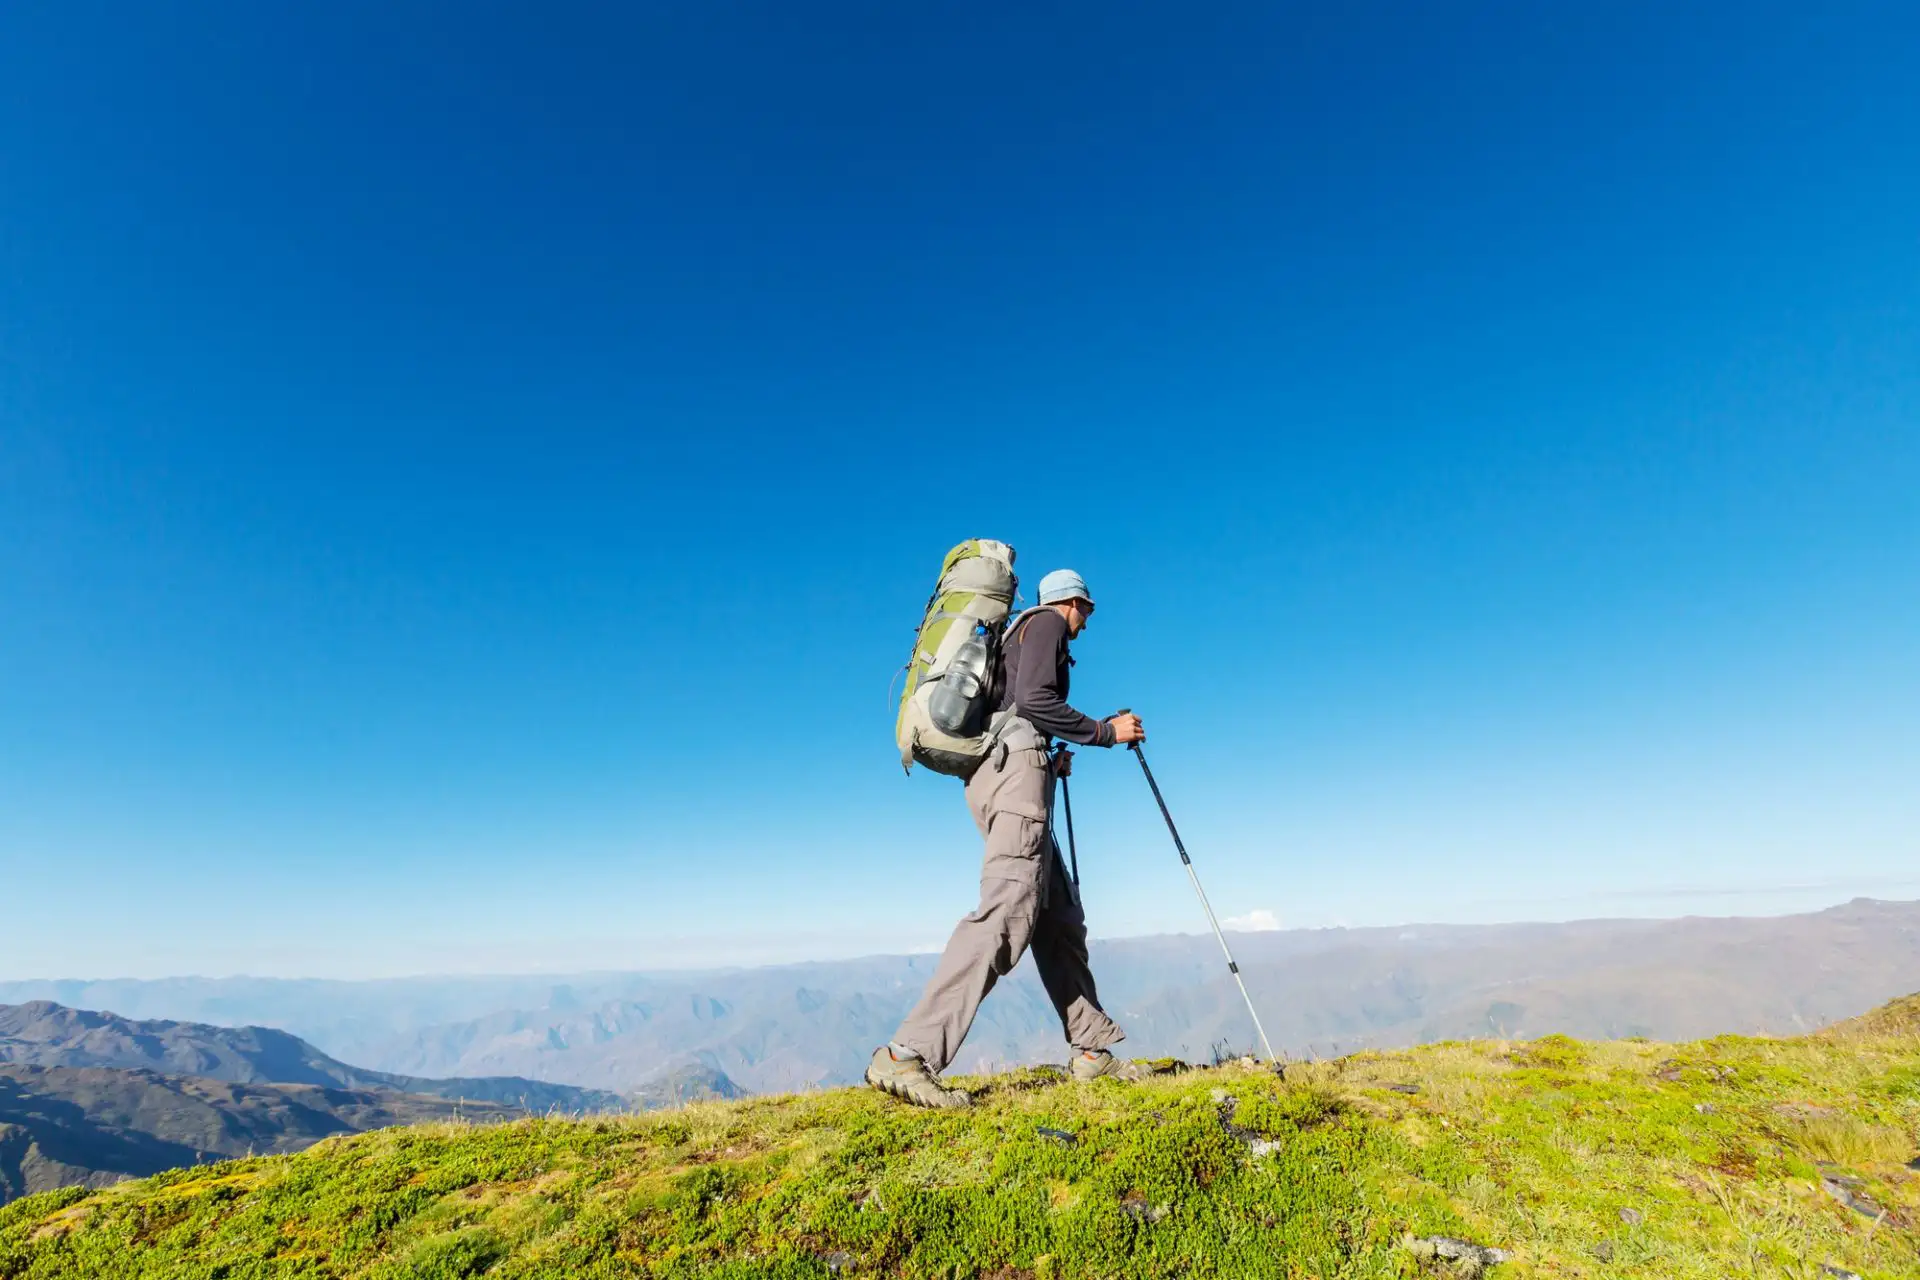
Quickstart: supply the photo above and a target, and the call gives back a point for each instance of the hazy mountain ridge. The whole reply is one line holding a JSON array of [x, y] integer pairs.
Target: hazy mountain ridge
[[50, 1035], [1318, 991], [796, 1025], [89, 1126], [88, 1098]]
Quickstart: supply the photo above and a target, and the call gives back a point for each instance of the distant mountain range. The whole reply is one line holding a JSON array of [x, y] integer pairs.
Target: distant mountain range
[[45, 1034], [91, 1098], [1319, 992], [61, 1126]]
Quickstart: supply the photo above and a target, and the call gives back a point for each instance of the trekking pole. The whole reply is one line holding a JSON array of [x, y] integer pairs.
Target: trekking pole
[[1185, 861], [1057, 786], [1073, 854]]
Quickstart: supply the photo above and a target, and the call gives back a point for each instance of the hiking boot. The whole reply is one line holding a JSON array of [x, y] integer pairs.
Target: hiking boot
[[908, 1079], [1092, 1066]]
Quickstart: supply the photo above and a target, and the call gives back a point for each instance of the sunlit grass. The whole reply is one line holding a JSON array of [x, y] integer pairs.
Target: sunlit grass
[[1620, 1159]]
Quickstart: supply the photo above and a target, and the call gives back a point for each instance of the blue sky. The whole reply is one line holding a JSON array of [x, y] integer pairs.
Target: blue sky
[[467, 480]]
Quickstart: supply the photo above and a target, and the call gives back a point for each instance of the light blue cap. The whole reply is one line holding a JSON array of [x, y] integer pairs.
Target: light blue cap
[[1064, 584]]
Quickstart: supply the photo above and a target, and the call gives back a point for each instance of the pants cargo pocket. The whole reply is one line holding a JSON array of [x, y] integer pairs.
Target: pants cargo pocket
[[1017, 845]]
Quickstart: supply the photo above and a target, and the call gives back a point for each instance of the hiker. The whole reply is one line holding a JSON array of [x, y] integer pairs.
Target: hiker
[[1026, 898]]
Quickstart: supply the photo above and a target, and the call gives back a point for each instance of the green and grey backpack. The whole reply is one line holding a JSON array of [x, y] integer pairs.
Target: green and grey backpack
[[947, 721]]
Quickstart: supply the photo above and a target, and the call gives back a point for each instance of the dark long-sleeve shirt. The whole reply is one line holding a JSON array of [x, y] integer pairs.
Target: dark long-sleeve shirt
[[1037, 676]]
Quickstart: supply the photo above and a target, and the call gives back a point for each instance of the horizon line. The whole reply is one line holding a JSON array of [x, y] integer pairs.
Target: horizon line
[[562, 976]]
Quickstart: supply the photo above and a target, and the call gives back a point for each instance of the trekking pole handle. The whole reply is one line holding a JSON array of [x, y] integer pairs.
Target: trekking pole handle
[[1127, 711]]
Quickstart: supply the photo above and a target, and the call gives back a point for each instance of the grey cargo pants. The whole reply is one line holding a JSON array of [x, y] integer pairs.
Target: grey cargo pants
[[1025, 900]]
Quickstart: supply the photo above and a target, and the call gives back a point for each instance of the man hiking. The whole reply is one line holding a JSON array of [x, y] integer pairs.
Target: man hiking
[[1025, 896]]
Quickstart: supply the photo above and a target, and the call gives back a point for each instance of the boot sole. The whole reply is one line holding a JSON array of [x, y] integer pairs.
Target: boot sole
[[1111, 1075], [888, 1088]]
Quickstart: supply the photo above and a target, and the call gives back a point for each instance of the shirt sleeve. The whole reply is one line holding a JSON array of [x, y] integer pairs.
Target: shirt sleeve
[[1036, 687]]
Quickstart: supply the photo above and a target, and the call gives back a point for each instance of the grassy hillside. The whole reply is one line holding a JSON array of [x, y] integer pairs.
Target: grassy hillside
[[1732, 1156]]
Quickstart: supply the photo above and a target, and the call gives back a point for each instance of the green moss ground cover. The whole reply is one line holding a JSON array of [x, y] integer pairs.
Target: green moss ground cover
[[1729, 1157]]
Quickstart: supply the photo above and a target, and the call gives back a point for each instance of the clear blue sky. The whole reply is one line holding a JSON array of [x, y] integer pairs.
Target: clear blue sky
[[467, 475]]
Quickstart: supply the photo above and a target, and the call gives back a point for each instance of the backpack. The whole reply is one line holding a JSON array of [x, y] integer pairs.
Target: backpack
[[947, 722]]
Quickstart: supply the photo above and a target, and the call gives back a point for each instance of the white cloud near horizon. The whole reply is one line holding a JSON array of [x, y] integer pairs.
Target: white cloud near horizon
[[1259, 920]]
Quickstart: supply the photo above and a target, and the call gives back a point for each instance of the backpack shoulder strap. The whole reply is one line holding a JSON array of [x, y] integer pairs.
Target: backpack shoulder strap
[[1019, 620]]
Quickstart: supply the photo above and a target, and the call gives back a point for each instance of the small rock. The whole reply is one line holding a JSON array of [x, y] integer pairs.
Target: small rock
[[1256, 1145], [1404, 1088], [1672, 1069], [837, 1261], [1060, 1136], [1604, 1251], [1850, 1192], [1135, 1205], [1838, 1273], [1469, 1260], [1914, 1164], [1632, 1217], [1705, 1108]]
